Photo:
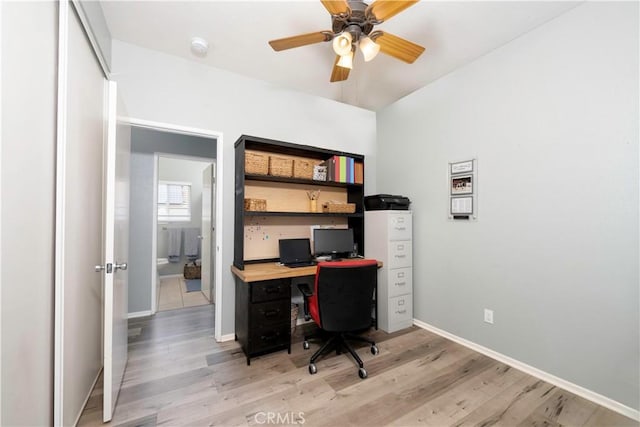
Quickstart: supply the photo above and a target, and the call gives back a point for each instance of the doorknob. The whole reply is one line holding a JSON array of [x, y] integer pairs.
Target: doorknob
[[107, 267], [200, 237], [122, 266]]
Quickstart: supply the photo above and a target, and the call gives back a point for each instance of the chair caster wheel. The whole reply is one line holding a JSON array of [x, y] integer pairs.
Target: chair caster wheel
[[374, 350], [312, 368], [362, 373], [305, 345]]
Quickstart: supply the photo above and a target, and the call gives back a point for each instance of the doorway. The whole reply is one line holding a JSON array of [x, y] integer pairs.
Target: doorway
[[150, 141], [184, 190]]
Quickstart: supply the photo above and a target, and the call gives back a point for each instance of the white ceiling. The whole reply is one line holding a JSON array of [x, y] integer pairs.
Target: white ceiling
[[453, 33]]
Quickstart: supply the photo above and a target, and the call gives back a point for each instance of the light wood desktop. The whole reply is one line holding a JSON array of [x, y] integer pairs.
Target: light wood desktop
[[273, 270]]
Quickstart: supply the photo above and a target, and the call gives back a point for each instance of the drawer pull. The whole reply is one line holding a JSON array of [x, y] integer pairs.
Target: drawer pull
[[400, 247], [271, 313], [401, 302], [269, 337], [400, 256], [401, 283], [401, 228], [271, 290], [400, 275], [401, 311]]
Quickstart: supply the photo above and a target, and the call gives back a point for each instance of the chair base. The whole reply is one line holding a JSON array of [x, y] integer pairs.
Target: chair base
[[338, 342]]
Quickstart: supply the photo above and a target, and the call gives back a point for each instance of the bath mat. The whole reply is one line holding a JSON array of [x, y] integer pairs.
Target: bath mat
[[193, 285]]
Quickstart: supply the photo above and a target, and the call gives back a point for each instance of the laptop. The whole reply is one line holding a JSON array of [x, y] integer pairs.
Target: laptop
[[295, 252]]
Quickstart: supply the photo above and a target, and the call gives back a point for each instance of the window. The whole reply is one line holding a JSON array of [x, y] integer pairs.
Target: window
[[174, 201]]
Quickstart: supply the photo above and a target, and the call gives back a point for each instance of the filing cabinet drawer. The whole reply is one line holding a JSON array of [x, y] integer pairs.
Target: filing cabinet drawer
[[269, 290], [400, 254], [399, 226], [272, 312], [400, 309], [265, 337], [400, 281]]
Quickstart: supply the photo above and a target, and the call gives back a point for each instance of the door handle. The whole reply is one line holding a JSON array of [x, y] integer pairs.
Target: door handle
[[122, 266], [107, 268], [200, 237]]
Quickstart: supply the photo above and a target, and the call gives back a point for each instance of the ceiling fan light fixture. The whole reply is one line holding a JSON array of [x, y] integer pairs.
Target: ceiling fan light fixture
[[342, 43], [346, 61], [369, 48]]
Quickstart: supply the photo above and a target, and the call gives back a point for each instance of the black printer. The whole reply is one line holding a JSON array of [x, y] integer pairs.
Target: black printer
[[383, 202]]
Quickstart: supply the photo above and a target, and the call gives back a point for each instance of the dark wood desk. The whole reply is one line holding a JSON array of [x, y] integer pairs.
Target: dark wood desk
[[263, 306]]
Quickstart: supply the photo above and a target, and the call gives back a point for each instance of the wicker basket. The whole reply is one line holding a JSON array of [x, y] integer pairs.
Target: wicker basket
[[332, 207], [192, 271], [255, 205], [280, 166], [302, 169], [256, 163]]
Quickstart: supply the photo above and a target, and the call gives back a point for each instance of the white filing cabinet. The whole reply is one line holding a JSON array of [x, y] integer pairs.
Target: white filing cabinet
[[388, 239]]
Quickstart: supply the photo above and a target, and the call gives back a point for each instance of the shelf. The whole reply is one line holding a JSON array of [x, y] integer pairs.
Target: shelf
[[309, 214], [269, 178]]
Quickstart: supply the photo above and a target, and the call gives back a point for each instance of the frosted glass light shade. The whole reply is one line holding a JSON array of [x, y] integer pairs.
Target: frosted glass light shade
[[342, 44], [346, 61], [369, 48]]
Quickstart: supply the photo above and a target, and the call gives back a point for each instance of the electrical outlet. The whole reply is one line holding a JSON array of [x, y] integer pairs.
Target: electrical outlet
[[488, 316]]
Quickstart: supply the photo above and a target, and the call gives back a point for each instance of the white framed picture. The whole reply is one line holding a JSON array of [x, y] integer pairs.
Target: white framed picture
[[462, 167], [461, 184]]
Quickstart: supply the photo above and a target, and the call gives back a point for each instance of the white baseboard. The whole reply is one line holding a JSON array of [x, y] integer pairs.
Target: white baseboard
[[139, 314], [228, 337], [545, 376], [169, 276], [88, 396]]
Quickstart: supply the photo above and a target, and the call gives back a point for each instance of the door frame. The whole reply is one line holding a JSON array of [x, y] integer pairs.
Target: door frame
[[203, 133]]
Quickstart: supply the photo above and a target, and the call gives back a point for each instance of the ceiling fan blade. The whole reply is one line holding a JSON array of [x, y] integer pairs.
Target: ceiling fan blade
[[339, 74], [300, 40], [383, 10], [397, 47], [337, 7]]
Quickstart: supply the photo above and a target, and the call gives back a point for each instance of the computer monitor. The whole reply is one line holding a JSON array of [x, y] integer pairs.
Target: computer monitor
[[337, 242]]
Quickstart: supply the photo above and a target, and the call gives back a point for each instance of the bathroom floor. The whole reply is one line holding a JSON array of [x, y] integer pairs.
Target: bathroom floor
[[172, 294]]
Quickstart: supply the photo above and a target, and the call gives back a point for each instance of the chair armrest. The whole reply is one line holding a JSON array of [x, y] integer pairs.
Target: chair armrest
[[305, 289]]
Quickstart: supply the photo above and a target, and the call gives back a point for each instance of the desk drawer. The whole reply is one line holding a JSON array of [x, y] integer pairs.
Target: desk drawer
[[264, 337], [272, 312], [400, 281], [269, 290]]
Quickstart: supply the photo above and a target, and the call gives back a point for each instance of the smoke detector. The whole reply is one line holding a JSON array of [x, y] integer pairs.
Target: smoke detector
[[199, 46]]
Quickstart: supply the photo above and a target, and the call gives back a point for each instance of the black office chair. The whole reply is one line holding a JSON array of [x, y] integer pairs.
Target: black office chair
[[340, 303]]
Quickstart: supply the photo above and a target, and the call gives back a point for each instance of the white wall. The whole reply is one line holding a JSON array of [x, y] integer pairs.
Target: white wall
[[163, 88], [27, 184], [553, 120]]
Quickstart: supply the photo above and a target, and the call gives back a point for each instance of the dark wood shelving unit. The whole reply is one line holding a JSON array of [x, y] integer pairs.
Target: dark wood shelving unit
[[354, 192]]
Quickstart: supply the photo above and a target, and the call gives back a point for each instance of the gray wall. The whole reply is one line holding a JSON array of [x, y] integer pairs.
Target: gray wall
[[144, 143], [553, 120], [27, 217], [182, 170]]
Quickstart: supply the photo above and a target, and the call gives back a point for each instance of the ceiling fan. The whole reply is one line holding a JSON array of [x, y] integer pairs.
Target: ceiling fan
[[352, 27]]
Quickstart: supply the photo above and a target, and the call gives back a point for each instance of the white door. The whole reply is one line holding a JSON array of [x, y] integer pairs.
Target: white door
[[116, 250], [207, 232], [79, 221]]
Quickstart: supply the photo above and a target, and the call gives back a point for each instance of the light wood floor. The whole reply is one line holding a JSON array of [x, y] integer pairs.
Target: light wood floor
[[178, 375], [172, 294]]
